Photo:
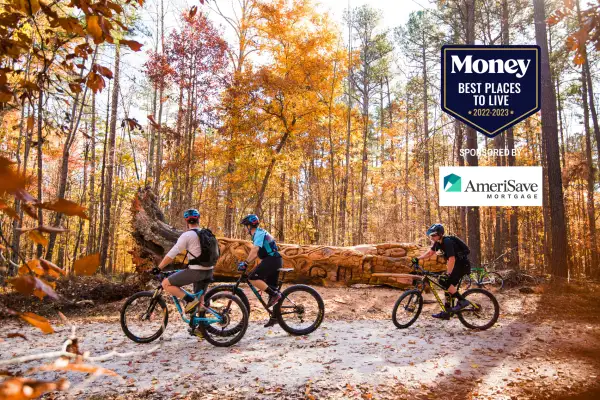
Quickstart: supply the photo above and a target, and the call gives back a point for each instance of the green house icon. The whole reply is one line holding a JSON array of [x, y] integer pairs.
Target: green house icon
[[452, 183]]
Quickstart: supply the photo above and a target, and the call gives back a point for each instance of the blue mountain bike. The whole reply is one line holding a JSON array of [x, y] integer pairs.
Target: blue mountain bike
[[145, 315]]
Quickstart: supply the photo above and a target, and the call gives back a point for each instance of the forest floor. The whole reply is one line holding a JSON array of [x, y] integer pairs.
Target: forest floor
[[545, 345]]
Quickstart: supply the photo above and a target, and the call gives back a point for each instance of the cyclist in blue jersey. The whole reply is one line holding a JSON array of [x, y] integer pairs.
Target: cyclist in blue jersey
[[265, 276]]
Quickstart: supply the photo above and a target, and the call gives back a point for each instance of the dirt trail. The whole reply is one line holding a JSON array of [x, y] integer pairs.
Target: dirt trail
[[358, 355]]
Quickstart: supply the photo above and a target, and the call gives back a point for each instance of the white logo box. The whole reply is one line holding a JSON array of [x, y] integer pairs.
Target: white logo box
[[493, 186]]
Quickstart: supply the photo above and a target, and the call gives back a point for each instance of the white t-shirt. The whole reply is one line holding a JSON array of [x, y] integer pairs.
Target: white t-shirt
[[190, 242]]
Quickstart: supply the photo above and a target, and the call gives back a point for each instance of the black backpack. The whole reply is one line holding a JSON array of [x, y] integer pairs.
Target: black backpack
[[462, 249], [210, 249]]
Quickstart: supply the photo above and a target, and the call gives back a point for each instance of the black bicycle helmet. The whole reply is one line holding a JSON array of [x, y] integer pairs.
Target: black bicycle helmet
[[436, 228]]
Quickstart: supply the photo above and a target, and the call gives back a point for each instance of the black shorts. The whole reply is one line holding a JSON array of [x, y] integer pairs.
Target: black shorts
[[268, 271], [461, 268]]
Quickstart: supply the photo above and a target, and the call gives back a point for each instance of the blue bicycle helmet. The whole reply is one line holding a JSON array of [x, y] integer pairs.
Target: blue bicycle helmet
[[250, 219], [192, 213], [436, 228]]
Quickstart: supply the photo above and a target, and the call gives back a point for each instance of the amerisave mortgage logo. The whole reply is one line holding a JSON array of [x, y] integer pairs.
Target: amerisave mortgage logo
[[452, 183], [490, 88], [491, 186]]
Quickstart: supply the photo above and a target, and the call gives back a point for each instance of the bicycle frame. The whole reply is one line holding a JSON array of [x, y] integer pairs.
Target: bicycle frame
[[244, 279], [195, 320], [428, 281]]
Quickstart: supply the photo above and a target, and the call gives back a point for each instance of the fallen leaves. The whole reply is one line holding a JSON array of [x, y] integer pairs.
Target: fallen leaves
[[63, 364], [16, 335], [26, 388], [87, 265], [38, 321]]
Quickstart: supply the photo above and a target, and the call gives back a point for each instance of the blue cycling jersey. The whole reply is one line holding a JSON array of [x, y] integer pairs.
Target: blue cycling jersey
[[266, 244]]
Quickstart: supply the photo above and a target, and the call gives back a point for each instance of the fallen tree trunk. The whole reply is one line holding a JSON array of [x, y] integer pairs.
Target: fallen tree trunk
[[325, 265]]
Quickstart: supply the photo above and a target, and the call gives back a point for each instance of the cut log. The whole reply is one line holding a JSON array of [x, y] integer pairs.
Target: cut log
[[314, 264]]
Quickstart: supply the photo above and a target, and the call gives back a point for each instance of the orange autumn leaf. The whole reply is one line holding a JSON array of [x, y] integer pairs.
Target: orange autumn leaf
[[66, 207], [51, 268], [93, 27], [95, 82], [32, 266], [63, 364], [87, 265], [38, 321], [6, 209], [30, 122], [10, 180], [27, 388], [28, 285], [132, 44], [29, 210], [38, 238]]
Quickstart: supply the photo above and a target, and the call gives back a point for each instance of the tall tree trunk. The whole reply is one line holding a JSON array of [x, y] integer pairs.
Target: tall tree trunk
[[108, 193], [550, 132], [92, 204], [103, 172], [473, 219], [591, 212], [40, 197], [281, 213], [265, 182], [426, 133], [513, 222]]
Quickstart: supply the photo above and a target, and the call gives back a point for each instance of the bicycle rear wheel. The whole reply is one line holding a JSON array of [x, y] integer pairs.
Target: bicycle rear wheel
[[482, 313], [407, 309], [493, 280], [144, 318], [464, 283], [300, 310], [234, 320]]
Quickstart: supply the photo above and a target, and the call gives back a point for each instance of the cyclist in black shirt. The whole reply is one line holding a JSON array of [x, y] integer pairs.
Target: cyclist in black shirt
[[455, 252]]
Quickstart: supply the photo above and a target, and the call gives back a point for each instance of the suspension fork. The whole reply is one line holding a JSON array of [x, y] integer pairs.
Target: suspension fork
[[153, 302]]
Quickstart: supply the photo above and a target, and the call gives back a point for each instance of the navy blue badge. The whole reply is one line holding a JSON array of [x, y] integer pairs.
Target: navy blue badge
[[490, 88]]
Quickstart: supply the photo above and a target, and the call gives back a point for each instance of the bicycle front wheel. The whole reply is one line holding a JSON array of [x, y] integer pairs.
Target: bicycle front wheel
[[407, 309], [300, 310], [234, 320], [482, 313], [143, 317], [493, 280]]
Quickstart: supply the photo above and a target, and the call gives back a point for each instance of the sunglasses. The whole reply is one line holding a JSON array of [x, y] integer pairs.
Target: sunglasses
[[434, 235]]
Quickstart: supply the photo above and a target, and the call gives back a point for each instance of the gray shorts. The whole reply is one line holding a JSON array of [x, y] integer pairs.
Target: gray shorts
[[189, 276]]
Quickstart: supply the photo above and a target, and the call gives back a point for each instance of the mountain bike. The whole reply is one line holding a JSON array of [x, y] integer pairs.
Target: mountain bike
[[299, 312], [484, 276], [145, 315], [481, 314]]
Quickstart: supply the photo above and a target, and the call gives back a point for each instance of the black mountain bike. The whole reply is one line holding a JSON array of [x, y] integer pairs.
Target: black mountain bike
[[144, 316], [482, 312], [299, 312]]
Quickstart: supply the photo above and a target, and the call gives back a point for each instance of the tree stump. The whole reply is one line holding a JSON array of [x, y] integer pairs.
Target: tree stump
[[314, 264]]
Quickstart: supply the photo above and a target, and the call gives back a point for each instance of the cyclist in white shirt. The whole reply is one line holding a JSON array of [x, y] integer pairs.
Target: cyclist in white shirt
[[190, 242]]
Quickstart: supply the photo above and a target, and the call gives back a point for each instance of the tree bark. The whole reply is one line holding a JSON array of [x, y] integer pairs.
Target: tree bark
[[111, 163], [473, 219], [550, 132]]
